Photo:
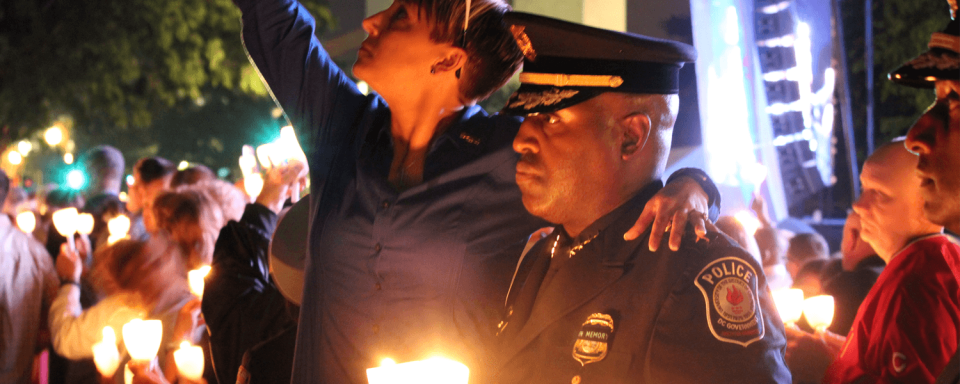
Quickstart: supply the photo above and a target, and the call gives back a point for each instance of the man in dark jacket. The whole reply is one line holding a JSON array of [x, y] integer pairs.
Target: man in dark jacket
[[586, 306], [241, 304]]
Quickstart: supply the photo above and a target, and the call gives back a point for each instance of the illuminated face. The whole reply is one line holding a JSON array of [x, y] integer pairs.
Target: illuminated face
[[935, 138], [398, 51], [569, 161], [890, 206]]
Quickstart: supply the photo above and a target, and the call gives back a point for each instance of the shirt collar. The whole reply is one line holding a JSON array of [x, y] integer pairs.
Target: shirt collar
[[637, 201]]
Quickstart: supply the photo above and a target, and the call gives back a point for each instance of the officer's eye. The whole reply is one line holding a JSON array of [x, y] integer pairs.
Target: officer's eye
[[552, 119]]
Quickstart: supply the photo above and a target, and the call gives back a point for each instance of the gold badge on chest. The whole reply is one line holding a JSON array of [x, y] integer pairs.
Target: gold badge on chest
[[594, 338]]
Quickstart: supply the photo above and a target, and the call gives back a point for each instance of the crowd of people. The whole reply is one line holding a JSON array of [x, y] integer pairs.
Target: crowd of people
[[534, 245]]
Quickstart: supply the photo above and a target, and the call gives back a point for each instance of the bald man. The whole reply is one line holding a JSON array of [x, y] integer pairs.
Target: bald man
[[906, 329]]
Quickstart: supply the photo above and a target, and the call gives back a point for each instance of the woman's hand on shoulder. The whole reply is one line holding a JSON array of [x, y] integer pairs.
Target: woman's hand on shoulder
[[679, 203]]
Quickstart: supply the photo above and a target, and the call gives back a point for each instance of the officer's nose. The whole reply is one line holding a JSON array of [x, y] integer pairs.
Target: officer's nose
[[526, 139]]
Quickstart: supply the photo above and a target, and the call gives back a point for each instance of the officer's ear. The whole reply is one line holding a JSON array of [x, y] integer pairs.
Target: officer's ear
[[635, 130]]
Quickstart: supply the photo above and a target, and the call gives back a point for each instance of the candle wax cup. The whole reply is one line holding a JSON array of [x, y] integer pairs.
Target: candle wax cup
[[189, 361]]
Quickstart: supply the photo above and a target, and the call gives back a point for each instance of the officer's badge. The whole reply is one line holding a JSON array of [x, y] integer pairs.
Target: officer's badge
[[729, 286], [594, 339]]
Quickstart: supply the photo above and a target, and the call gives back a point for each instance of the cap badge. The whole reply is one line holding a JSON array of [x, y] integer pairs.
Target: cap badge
[[594, 338], [530, 100], [523, 41], [729, 287]]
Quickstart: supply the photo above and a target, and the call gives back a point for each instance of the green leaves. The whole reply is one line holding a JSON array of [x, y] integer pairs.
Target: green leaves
[[118, 63]]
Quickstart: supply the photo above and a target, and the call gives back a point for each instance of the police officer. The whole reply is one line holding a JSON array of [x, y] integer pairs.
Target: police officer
[[586, 306]]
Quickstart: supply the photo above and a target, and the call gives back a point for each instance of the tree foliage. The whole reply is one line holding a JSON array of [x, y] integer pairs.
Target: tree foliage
[[115, 65], [901, 31]]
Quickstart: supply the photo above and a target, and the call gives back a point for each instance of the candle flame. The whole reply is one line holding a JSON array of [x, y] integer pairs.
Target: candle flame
[[65, 221], [789, 304], [819, 311], [436, 370], [195, 279], [142, 338], [85, 223], [105, 353]]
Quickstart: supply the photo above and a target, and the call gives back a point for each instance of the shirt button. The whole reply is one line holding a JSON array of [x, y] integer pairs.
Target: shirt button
[[386, 204], [377, 286], [575, 380], [377, 247]]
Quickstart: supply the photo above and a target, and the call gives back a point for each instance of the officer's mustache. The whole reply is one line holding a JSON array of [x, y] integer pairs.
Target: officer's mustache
[[529, 159]]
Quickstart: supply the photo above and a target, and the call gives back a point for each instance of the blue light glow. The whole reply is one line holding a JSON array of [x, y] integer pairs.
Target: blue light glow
[[76, 179]]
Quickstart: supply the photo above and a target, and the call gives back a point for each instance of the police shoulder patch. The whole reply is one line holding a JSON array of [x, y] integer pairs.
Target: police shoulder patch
[[729, 287]]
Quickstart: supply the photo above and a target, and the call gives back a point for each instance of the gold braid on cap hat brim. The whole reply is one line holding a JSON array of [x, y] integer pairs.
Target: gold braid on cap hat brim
[[945, 41], [565, 80]]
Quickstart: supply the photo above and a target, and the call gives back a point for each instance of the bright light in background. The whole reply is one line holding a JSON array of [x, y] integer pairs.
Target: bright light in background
[[816, 106], [24, 147], [53, 135], [727, 124], [68, 158], [749, 222], [731, 30], [76, 179], [130, 180], [14, 157], [183, 165], [363, 87], [123, 197]]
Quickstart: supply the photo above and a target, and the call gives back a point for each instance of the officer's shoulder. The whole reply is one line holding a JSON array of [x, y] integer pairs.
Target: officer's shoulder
[[716, 245]]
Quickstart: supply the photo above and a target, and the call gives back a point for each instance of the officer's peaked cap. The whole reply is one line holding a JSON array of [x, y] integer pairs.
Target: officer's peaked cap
[[567, 63], [941, 61]]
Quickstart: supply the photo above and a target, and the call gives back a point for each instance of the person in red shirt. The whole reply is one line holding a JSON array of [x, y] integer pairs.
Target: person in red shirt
[[907, 327]]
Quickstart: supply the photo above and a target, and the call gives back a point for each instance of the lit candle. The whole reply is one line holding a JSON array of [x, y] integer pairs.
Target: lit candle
[[436, 370], [267, 154], [253, 184], [85, 223], [105, 354], [195, 278], [142, 338], [118, 228], [819, 311], [789, 304], [26, 221], [189, 360], [65, 221]]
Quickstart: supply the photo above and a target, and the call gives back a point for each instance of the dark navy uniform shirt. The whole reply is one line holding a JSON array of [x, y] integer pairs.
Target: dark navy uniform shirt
[[598, 309]]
